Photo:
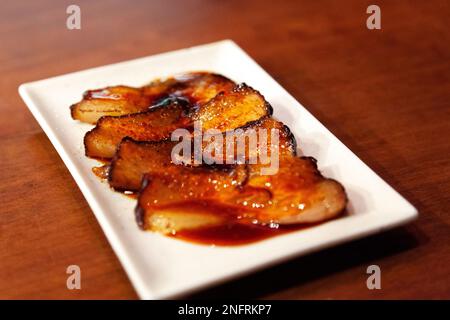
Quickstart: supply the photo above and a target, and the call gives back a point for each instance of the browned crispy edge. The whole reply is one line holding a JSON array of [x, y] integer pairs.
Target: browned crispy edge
[[104, 118], [291, 137], [242, 87], [117, 157]]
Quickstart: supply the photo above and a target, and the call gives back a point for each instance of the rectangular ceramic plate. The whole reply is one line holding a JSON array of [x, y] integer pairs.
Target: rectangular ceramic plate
[[163, 267]]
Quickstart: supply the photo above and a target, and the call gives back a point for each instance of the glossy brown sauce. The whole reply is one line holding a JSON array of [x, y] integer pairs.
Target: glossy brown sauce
[[234, 234], [233, 231]]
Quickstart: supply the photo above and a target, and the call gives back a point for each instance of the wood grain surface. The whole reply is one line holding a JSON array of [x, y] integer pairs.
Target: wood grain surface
[[385, 93]]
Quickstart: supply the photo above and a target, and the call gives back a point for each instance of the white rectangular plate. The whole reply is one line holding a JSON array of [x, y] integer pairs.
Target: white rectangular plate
[[162, 267]]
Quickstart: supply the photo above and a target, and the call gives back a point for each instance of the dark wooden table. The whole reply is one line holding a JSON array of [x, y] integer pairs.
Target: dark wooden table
[[385, 93]]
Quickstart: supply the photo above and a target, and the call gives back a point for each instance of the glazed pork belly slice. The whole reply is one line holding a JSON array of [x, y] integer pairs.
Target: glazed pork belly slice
[[226, 111], [297, 194], [179, 190], [153, 125], [195, 87], [252, 143], [135, 158]]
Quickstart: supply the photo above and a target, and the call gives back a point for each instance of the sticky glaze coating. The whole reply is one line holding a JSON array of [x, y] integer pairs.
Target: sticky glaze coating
[[196, 87], [173, 113], [297, 194], [135, 158]]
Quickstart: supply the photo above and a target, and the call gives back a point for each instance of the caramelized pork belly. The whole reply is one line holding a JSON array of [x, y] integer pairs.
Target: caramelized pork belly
[[254, 143], [159, 206], [226, 111], [233, 109], [196, 87], [153, 125], [133, 158], [297, 194]]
